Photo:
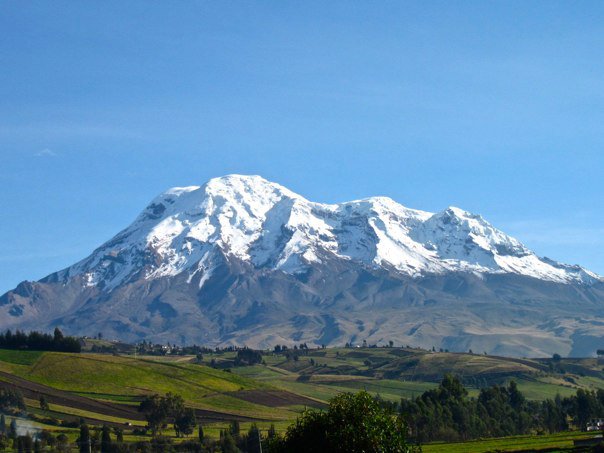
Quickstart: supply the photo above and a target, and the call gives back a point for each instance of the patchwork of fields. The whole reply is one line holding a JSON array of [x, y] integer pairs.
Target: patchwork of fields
[[106, 389]]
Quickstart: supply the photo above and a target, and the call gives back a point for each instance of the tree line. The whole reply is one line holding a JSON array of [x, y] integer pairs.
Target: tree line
[[38, 341], [352, 422], [448, 413]]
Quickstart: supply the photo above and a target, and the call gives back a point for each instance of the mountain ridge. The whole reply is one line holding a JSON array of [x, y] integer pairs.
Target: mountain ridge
[[246, 216], [241, 260]]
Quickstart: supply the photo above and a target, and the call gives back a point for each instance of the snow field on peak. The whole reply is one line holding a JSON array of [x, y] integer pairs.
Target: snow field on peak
[[268, 225]]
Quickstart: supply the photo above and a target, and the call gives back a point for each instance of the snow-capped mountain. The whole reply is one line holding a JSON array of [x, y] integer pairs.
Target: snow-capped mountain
[[194, 248], [267, 225]]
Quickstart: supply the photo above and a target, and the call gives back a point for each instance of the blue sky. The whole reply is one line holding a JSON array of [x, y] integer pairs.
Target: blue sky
[[496, 107]]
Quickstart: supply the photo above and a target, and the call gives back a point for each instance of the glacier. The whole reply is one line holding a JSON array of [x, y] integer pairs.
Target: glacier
[[268, 225], [241, 260]]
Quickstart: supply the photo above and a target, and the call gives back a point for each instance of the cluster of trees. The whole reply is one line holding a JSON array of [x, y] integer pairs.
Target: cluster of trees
[[148, 348], [161, 410], [44, 440], [10, 430], [104, 349], [353, 422], [101, 440], [584, 406], [447, 413], [25, 444], [38, 341], [375, 345], [390, 344], [106, 440], [278, 349], [302, 349], [247, 357], [11, 400], [232, 440], [294, 352]]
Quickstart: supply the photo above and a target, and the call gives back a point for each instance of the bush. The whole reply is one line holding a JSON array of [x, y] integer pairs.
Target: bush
[[189, 446], [352, 423], [69, 423], [11, 399]]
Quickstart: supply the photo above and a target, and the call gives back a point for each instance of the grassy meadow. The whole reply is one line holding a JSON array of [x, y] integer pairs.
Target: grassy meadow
[[107, 388]]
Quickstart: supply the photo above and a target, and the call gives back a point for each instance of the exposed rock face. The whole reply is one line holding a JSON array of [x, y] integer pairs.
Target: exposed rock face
[[241, 260]]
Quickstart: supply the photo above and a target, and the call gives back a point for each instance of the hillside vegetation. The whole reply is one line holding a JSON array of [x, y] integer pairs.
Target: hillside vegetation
[[396, 373], [107, 388], [125, 380]]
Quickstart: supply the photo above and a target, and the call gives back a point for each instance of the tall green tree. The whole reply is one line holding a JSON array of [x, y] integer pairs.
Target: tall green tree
[[84, 439], [272, 432], [227, 443], [235, 429], [43, 403], [184, 422], [24, 444], [106, 443], [253, 442], [119, 435], [62, 442], [201, 435], [12, 429], [155, 411], [58, 335]]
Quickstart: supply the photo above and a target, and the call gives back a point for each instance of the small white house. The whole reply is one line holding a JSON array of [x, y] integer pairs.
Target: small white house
[[595, 424]]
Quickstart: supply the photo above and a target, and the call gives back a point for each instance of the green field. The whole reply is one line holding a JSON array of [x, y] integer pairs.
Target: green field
[[19, 357], [396, 373], [277, 390], [127, 376], [508, 444], [126, 379]]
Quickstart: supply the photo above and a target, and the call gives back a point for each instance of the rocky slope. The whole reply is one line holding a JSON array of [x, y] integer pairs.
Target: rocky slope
[[241, 260]]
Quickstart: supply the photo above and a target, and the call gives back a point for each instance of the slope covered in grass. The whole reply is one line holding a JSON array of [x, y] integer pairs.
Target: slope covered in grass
[[128, 376], [396, 373], [19, 357], [127, 379]]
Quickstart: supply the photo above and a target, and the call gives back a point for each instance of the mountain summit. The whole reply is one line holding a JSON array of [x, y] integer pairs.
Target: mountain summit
[[241, 260], [267, 225]]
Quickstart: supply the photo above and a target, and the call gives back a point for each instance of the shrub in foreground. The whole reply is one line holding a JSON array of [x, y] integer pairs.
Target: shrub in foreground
[[352, 423]]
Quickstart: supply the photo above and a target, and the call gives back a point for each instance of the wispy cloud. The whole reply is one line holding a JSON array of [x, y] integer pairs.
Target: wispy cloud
[[46, 152]]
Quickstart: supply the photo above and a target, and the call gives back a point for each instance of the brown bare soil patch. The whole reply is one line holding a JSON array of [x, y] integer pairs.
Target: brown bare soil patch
[[33, 391], [274, 398]]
